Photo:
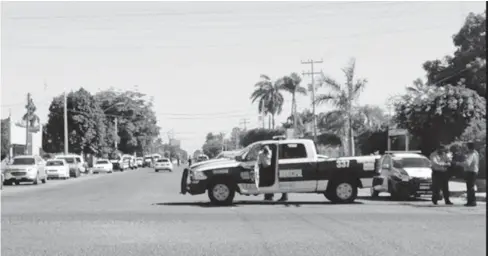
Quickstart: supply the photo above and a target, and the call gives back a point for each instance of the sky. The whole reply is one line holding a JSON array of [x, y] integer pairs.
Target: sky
[[201, 60]]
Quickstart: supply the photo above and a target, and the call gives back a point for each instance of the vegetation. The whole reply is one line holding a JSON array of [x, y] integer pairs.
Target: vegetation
[[91, 123]]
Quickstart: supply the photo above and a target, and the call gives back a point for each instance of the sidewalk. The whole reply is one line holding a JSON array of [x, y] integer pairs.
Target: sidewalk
[[458, 189]]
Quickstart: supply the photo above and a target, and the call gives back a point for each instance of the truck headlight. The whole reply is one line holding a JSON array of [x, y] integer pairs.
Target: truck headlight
[[198, 176]]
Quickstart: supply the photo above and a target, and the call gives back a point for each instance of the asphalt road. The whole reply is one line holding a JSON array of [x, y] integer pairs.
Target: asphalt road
[[142, 213]]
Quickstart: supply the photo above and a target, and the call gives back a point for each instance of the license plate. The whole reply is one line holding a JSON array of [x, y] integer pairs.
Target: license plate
[[405, 179]]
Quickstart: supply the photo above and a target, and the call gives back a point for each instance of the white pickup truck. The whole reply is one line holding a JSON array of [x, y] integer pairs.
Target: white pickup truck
[[296, 168]]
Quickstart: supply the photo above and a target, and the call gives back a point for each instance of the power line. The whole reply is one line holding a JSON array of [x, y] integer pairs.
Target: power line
[[243, 44]]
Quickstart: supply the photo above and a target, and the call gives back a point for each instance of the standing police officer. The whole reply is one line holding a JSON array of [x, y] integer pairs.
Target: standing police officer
[[440, 179]]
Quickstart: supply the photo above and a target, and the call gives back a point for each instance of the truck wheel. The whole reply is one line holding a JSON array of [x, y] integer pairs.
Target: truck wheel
[[221, 193], [343, 192]]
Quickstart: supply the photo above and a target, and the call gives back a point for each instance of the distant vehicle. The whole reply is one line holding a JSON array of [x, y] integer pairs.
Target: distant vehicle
[[201, 158], [148, 161], [76, 164], [26, 169], [163, 164], [131, 161], [403, 175], [139, 161], [103, 165], [57, 168], [116, 160]]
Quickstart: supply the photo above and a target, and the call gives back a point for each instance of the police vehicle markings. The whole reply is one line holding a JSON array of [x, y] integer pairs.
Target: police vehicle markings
[[291, 173]]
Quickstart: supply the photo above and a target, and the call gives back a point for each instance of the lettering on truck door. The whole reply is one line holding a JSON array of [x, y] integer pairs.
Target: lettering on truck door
[[296, 170]]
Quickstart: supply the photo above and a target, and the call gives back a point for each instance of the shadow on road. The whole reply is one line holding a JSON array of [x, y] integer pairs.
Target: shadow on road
[[242, 203], [389, 199]]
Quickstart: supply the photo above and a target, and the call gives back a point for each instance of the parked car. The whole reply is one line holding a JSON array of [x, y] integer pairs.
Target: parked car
[[76, 165], [163, 164], [403, 175], [102, 165], [26, 168], [148, 161], [57, 168], [139, 161]]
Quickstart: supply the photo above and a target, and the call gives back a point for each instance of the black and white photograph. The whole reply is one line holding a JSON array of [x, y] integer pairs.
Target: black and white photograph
[[243, 128]]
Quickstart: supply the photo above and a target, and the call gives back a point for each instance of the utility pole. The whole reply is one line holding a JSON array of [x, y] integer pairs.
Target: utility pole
[[312, 74], [244, 122], [116, 133], [65, 123], [27, 124]]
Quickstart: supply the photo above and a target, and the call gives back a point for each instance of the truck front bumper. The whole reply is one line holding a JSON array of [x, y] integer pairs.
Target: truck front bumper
[[192, 187]]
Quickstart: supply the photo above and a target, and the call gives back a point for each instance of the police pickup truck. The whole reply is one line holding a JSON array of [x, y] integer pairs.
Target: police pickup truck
[[296, 168]]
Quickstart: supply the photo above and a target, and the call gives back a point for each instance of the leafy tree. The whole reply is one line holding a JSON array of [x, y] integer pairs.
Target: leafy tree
[[343, 96], [136, 120], [259, 134], [213, 144], [269, 97], [438, 115], [468, 64], [86, 127], [5, 138], [291, 84], [197, 153]]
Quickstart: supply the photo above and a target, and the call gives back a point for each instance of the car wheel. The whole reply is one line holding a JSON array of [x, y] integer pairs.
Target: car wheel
[[221, 193], [343, 192], [17, 183], [156, 170]]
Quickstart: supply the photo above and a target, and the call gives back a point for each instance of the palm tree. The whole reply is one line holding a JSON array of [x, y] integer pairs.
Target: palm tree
[[417, 88], [343, 96], [269, 96], [291, 84]]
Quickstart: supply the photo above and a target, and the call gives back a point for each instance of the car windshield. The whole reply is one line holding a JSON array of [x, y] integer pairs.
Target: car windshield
[[412, 162], [69, 160], [163, 161], [102, 162], [55, 163], [24, 161]]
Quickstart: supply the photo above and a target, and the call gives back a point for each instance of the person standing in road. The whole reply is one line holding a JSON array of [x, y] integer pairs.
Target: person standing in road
[[440, 179], [471, 169], [264, 162]]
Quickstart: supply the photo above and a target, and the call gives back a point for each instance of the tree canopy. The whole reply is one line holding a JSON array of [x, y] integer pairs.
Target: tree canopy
[[91, 123]]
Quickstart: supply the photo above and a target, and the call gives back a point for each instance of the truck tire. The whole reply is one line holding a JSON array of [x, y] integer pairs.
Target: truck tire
[[343, 191], [221, 192]]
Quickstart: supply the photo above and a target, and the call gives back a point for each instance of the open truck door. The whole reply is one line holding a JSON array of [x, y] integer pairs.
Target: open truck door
[[266, 179]]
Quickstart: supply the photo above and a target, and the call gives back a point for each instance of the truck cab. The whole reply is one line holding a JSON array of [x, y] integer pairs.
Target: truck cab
[[296, 168]]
